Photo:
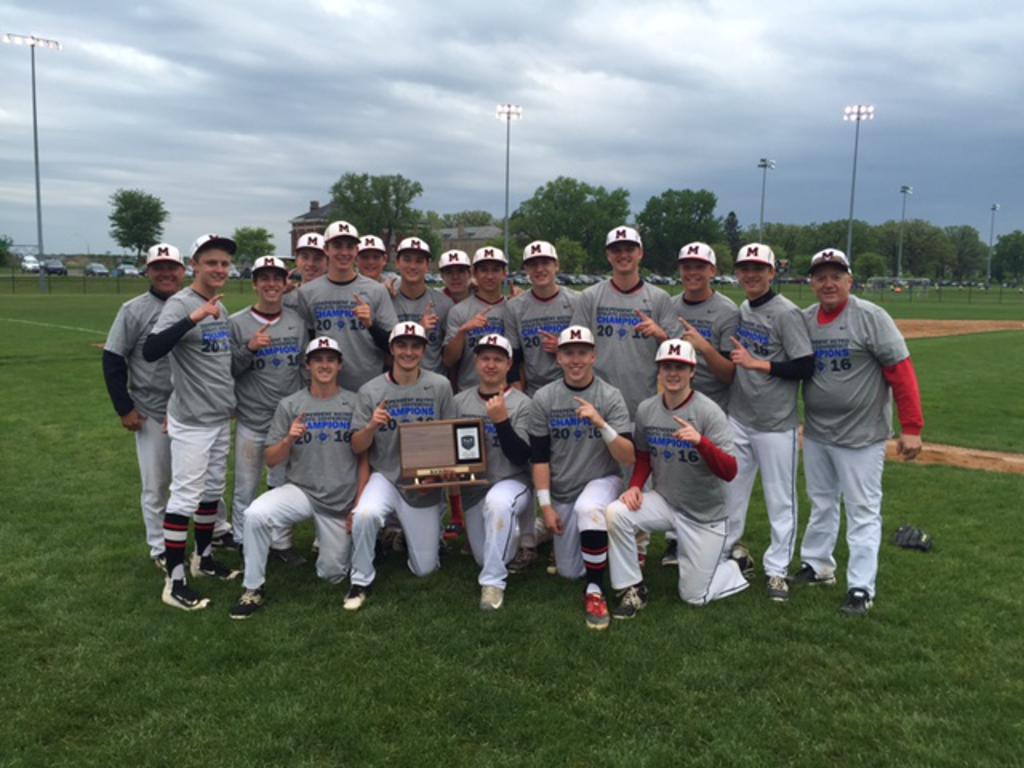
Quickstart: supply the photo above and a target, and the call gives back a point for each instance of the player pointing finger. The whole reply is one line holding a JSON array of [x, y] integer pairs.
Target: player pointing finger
[[380, 417], [429, 318], [687, 433], [298, 427], [261, 339], [695, 337], [648, 328], [589, 412], [363, 311], [210, 309], [549, 342]]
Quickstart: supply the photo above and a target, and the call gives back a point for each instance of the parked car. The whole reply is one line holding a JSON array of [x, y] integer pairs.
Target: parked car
[[30, 264], [233, 273], [125, 270], [54, 267], [96, 270]]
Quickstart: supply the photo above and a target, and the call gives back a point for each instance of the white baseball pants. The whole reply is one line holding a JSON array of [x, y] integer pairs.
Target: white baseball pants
[[153, 450], [774, 455], [199, 463], [705, 572], [492, 527], [421, 526], [855, 475], [586, 513], [281, 508], [249, 446]]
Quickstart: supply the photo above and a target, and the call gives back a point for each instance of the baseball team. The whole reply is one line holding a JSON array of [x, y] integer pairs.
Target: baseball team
[[616, 413]]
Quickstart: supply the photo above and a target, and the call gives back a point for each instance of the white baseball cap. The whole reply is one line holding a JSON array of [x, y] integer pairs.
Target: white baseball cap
[[323, 342], [407, 330], [371, 243], [676, 350], [454, 258], [756, 253], [214, 241], [623, 234], [697, 251], [576, 334], [830, 256], [414, 244], [312, 240], [488, 253], [539, 249], [268, 262], [496, 341], [340, 229], [163, 252]]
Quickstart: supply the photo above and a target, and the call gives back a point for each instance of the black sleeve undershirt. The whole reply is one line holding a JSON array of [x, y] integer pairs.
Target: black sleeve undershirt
[[380, 337], [540, 449], [159, 344], [512, 445], [517, 361], [798, 369], [115, 374]]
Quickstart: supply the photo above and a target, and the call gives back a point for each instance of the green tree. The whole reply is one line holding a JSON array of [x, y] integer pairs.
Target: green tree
[[253, 242], [868, 265], [724, 258], [7, 258], [969, 252], [379, 205], [1008, 258], [136, 219], [572, 257], [674, 218], [573, 209], [468, 219], [733, 233]]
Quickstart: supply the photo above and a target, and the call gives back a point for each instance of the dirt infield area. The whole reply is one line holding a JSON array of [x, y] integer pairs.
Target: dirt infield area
[[964, 458], [930, 329]]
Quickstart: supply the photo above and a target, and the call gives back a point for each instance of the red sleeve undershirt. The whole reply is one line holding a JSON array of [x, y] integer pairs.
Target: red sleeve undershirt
[[903, 379], [718, 461], [641, 470]]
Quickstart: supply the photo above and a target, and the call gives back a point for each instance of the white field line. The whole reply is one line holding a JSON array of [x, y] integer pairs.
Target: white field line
[[55, 325]]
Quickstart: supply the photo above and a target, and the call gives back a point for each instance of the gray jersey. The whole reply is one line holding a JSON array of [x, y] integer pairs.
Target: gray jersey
[[291, 299], [321, 462], [263, 377], [328, 309], [204, 390], [625, 358], [149, 384], [527, 316], [715, 319], [412, 310], [772, 331], [848, 402], [429, 399], [680, 474], [469, 404], [578, 451], [460, 314]]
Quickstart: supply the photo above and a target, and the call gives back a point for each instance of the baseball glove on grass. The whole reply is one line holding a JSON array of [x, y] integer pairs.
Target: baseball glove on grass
[[909, 537]]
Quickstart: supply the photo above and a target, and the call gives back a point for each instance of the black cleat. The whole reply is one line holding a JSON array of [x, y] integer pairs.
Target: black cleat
[[178, 594], [858, 603], [632, 600], [251, 601]]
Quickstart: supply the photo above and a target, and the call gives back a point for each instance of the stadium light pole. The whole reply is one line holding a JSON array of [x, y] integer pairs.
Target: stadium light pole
[[857, 113], [34, 42], [905, 190], [765, 165], [991, 242], [508, 113]]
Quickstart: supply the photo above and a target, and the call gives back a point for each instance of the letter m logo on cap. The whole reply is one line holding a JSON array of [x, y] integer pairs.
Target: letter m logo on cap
[[324, 343], [368, 241], [410, 329], [488, 252], [343, 227], [752, 251], [536, 248], [452, 257], [268, 261], [828, 255], [314, 240], [575, 333], [414, 243], [620, 233], [693, 249], [675, 349], [491, 340], [163, 250]]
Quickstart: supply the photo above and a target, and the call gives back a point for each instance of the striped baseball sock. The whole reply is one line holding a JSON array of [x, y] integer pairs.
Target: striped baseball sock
[[204, 520], [175, 538], [595, 557]]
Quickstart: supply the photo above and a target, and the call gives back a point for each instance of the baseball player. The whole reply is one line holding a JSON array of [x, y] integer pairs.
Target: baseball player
[[630, 318], [310, 263], [481, 314], [772, 354], [709, 321], [311, 436], [860, 357], [492, 513], [405, 394], [682, 437], [267, 348], [372, 257], [139, 390], [455, 274], [415, 301], [353, 310], [580, 441], [193, 328]]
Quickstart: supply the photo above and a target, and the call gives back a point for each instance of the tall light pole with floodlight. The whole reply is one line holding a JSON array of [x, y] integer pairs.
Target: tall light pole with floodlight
[[905, 190], [991, 242], [857, 114], [508, 113], [34, 42], [765, 165]]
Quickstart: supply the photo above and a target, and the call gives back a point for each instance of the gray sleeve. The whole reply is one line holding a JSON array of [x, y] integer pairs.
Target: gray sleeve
[[173, 311], [538, 423], [512, 324], [581, 313], [453, 323], [280, 424], [447, 406], [885, 340], [241, 355], [719, 432], [617, 414], [667, 317], [793, 334], [364, 409], [639, 432], [727, 329], [121, 339], [520, 419], [384, 311]]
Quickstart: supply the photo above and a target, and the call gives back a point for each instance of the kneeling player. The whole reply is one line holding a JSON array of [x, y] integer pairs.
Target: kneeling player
[[577, 453], [684, 438], [312, 432], [404, 394], [492, 516]]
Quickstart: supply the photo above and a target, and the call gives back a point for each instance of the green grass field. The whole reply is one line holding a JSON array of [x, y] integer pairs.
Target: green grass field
[[96, 671]]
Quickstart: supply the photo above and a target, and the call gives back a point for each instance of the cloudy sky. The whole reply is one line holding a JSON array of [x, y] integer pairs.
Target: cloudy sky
[[241, 113]]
